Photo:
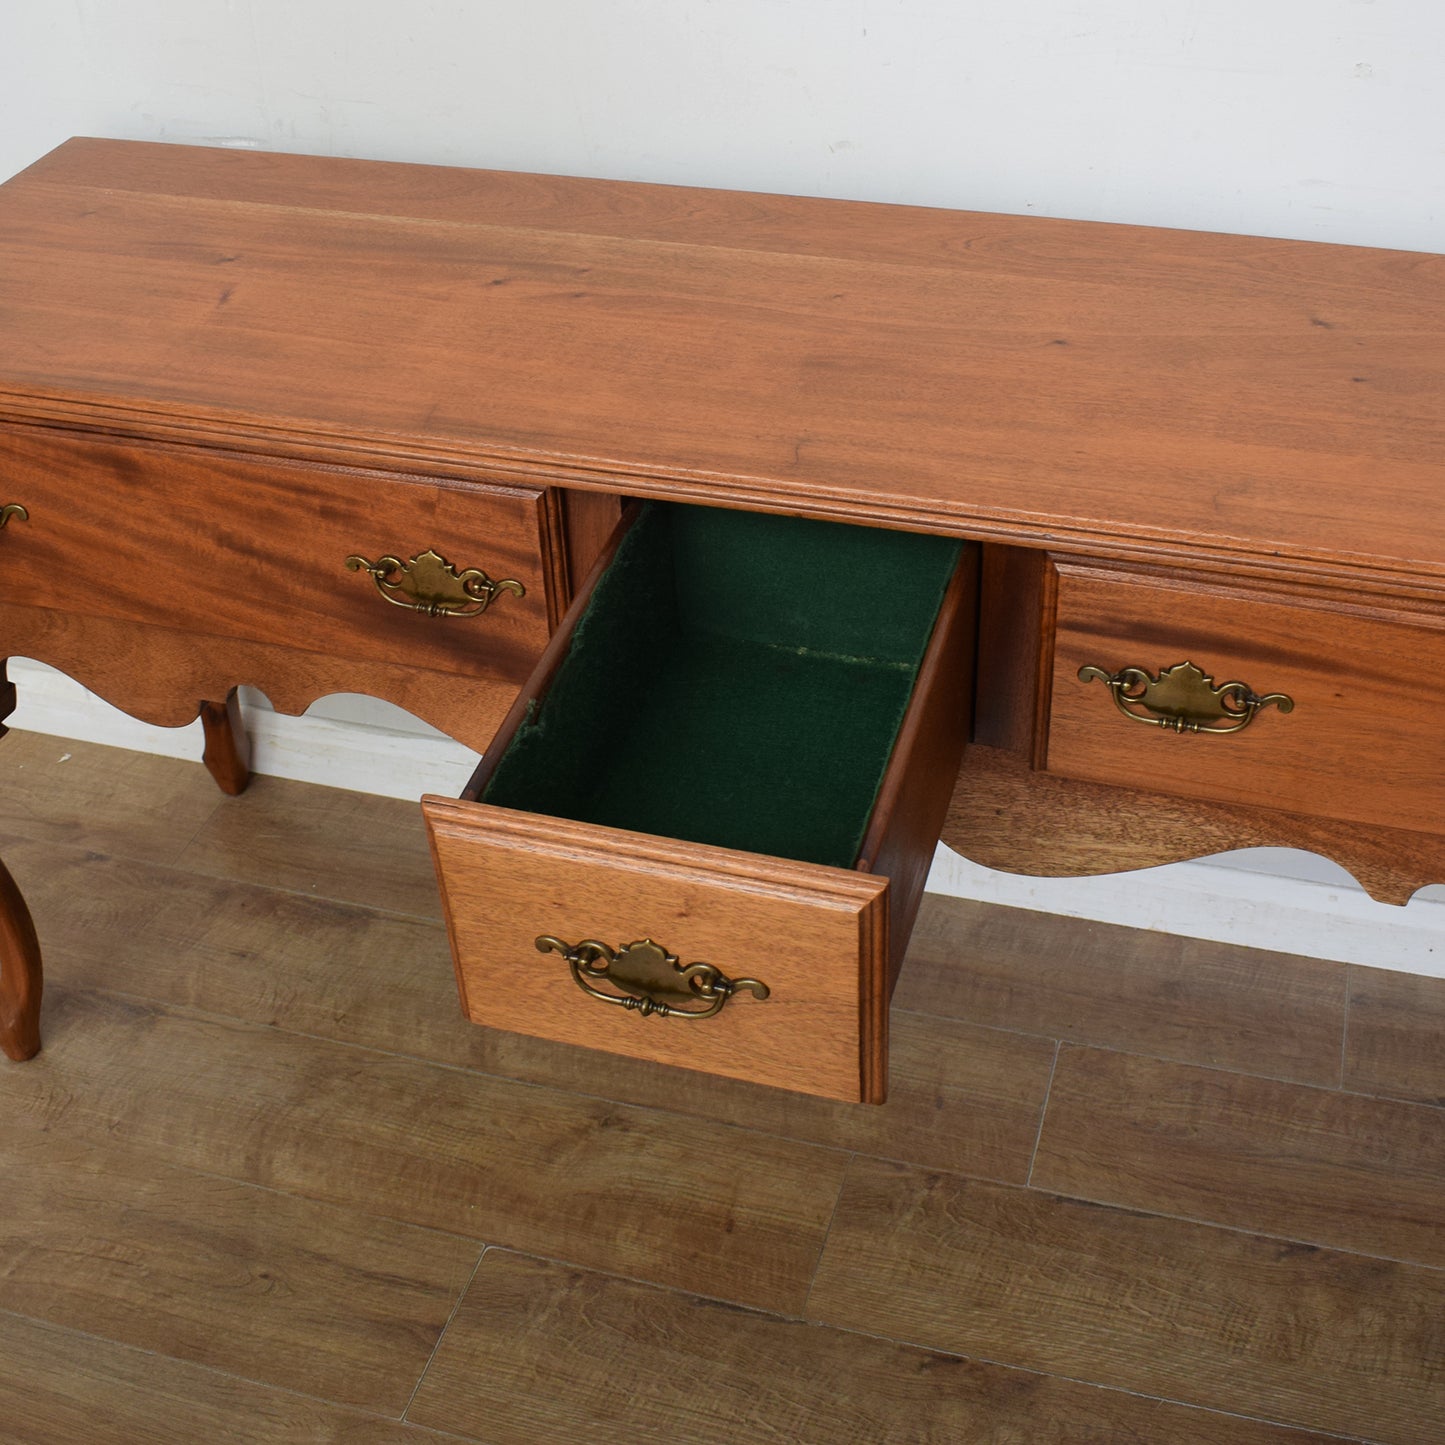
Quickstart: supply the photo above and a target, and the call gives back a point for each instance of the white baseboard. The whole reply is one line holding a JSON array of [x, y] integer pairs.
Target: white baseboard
[[1305, 906], [1211, 899]]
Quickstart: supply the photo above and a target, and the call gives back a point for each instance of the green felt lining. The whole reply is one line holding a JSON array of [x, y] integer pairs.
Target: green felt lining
[[737, 679]]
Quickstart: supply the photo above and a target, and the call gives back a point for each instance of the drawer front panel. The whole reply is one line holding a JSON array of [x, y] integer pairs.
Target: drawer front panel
[[1363, 742], [236, 547], [810, 934]]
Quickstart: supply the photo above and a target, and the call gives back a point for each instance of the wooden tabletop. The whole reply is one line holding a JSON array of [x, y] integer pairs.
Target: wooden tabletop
[[1268, 404]]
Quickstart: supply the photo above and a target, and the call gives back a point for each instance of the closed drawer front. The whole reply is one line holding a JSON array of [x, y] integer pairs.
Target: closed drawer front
[[525, 887], [237, 547], [1361, 741]]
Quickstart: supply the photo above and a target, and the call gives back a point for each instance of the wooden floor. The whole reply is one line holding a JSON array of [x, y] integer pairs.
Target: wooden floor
[[264, 1185]]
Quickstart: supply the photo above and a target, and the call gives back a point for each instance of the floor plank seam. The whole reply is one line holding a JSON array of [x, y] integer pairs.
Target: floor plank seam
[[1330, 1089], [984, 1098], [92, 854], [201, 1015], [1043, 1113], [359, 1411], [1163, 1058], [827, 1234], [721, 1301], [1251, 1231], [456, 1307], [435, 922], [201, 827], [140, 1151], [1001, 1364], [433, 919], [98, 855], [1345, 1028]]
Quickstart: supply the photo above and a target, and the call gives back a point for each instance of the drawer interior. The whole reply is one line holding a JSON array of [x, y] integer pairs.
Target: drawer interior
[[736, 679]]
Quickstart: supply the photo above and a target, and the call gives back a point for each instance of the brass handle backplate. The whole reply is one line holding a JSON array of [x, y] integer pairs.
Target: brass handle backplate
[[652, 980], [1183, 699], [13, 509], [431, 585]]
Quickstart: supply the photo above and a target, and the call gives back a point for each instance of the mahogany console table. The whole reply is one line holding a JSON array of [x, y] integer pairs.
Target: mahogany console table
[[323, 425]]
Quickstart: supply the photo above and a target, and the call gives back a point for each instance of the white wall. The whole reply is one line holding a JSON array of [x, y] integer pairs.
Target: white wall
[[1310, 118], [1319, 119]]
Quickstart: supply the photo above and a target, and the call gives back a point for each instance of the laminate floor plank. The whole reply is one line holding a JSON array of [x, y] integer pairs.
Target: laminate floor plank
[[690, 1203], [325, 842], [113, 800], [1273, 1014], [1213, 1317], [961, 1097], [261, 1151], [60, 1387], [283, 1291], [250, 952], [541, 1352], [1395, 1044], [1339, 1169]]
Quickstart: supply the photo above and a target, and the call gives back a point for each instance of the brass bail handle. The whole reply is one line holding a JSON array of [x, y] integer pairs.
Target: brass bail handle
[[1184, 698], [13, 509], [654, 983], [429, 584]]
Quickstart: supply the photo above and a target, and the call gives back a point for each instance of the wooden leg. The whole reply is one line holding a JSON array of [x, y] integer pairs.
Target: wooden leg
[[228, 749], [20, 976]]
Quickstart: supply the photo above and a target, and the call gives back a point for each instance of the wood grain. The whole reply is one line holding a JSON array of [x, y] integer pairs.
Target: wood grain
[[682, 1202], [1362, 744], [1212, 1317], [206, 1028], [1272, 402], [21, 974], [211, 545], [160, 674], [7, 697], [227, 753], [542, 1352], [1310, 1164], [256, 954], [508, 877], [133, 805], [209, 588], [66, 1386], [1275, 1014], [354, 847], [960, 1097], [1012, 613], [1396, 1038], [912, 800], [280, 1290], [590, 518], [1006, 816], [499, 869]]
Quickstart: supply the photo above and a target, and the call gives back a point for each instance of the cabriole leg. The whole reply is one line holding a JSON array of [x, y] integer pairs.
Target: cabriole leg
[[20, 975]]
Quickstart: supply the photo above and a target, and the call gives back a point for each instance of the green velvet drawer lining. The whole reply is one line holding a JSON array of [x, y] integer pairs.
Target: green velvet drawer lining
[[737, 679]]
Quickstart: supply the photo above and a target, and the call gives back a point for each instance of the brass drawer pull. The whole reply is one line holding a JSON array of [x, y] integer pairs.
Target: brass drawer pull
[[652, 979], [430, 584], [13, 509], [1182, 699]]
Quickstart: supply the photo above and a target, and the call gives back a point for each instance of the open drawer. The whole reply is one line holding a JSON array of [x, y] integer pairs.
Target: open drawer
[[719, 796]]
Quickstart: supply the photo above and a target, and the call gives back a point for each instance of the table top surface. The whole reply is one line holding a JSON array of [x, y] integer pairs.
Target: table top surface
[[1130, 392]]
